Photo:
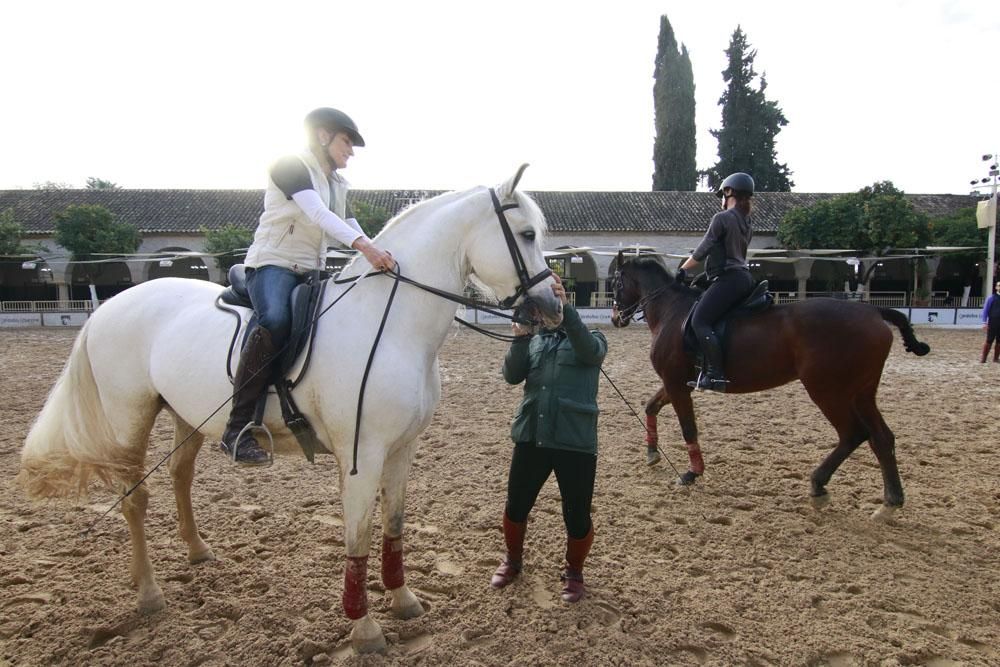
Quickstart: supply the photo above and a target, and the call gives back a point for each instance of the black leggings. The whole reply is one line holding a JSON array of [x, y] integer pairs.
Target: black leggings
[[729, 288], [530, 466], [992, 333]]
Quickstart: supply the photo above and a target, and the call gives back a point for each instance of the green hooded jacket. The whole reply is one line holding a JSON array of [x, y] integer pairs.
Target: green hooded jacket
[[560, 369]]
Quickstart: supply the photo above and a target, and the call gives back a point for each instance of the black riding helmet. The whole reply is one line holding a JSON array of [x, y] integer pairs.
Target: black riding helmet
[[334, 120], [741, 184]]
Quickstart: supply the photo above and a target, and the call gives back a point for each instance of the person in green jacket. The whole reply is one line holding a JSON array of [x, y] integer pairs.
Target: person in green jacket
[[555, 429]]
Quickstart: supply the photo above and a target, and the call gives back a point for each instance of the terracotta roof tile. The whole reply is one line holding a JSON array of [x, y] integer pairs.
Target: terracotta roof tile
[[188, 211]]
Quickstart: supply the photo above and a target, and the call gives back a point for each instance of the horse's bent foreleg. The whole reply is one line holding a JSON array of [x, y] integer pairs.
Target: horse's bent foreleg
[[653, 407], [394, 474], [182, 475], [134, 509], [684, 407], [357, 493]]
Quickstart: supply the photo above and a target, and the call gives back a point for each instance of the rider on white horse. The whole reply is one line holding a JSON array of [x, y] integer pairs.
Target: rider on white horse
[[304, 207]]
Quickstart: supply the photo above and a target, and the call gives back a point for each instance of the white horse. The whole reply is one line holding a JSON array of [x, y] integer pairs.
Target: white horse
[[163, 344]]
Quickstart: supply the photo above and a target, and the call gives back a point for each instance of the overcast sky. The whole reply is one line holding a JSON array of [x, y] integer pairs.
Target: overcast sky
[[452, 94]]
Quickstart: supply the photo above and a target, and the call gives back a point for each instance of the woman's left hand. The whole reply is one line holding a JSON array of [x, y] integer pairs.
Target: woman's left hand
[[559, 289]]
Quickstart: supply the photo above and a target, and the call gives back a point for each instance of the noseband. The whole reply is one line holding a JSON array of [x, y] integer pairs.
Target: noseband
[[527, 281]]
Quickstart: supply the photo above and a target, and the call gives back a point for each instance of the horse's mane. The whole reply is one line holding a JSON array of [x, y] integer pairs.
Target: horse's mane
[[654, 268]]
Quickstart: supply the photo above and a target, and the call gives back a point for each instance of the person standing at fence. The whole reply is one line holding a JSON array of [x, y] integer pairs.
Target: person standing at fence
[[991, 322], [304, 208], [554, 430]]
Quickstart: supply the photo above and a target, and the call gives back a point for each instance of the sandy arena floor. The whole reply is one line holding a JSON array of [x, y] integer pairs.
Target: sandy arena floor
[[737, 570]]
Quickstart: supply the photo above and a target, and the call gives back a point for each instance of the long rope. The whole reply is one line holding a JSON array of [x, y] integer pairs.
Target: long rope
[[639, 419]]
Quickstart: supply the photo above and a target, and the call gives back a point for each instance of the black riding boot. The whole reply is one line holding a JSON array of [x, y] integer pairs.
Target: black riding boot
[[250, 381], [712, 375]]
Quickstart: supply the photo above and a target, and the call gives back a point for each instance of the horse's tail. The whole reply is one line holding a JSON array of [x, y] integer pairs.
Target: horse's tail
[[72, 439], [910, 342]]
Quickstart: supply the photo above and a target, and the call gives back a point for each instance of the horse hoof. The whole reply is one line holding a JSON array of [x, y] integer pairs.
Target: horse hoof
[[196, 557], [150, 604], [652, 457], [884, 514], [819, 502], [366, 637], [405, 605], [687, 479]]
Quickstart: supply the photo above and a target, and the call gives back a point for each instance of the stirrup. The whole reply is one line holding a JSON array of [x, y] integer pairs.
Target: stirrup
[[251, 427], [704, 382]]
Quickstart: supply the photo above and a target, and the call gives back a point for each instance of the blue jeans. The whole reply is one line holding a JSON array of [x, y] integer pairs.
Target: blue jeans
[[270, 289]]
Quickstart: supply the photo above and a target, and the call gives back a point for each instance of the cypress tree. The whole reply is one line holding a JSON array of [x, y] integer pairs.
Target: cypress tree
[[673, 103], [750, 123]]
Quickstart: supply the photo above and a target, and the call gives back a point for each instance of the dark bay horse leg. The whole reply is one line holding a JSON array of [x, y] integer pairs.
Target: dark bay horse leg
[[851, 432], [857, 420], [653, 407], [680, 397], [883, 444]]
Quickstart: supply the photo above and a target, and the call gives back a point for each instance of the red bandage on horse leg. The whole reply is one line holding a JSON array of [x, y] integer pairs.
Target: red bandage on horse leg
[[694, 454], [392, 562], [651, 437], [356, 587]]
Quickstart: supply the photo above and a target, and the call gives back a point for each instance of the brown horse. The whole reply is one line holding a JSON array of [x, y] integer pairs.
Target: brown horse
[[836, 348]]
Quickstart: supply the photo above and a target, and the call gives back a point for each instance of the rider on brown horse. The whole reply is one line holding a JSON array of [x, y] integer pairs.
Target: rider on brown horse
[[724, 251]]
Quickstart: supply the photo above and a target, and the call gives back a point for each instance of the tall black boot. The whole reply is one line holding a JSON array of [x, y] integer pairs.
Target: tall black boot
[[250, 382], [712, 375]]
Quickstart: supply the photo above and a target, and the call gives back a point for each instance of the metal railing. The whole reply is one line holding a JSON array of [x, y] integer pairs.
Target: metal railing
[[601, 299], [74, 306], [889, 299]]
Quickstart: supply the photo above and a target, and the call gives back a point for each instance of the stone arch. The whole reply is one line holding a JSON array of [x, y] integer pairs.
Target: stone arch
[[171, 264], [22, 280], [108, 277], [580, 273]]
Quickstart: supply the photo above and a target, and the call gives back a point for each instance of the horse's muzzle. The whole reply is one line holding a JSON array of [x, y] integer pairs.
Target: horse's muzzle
[[617, 320]]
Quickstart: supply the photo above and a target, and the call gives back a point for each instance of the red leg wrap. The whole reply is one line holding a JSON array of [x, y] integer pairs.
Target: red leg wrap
[[392, 562], [356, 587], [651, 437], [694, 454]]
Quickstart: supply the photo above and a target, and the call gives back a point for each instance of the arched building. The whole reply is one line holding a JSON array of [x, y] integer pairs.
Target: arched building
[[584, 230]]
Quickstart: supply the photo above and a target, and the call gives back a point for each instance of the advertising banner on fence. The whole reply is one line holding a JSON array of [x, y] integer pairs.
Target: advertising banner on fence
[[20, 319], [63, 319]]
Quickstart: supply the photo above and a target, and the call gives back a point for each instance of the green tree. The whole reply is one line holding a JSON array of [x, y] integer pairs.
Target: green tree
[[674, 148], [51, 185], [750, 124], [11, 233], [94, 183], [957, 230], [371, 218], [228, 243], [871, 221], [87, 230]]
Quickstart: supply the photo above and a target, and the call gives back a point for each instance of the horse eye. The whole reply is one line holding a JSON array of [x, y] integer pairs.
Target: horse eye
[[528, 235]]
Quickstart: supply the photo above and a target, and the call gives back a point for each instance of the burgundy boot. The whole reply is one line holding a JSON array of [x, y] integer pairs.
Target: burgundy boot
[[986, 351], [510, 566], [572, 576]]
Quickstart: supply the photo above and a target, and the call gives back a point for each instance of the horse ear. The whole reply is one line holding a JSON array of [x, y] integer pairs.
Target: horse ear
[[621, 258], [506, 191]]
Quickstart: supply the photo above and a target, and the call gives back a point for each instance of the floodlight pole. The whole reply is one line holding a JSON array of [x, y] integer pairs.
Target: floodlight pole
[[991, 244]]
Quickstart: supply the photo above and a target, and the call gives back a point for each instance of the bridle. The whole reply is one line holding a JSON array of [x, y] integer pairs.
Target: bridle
[[625, 315], [526, 280]]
